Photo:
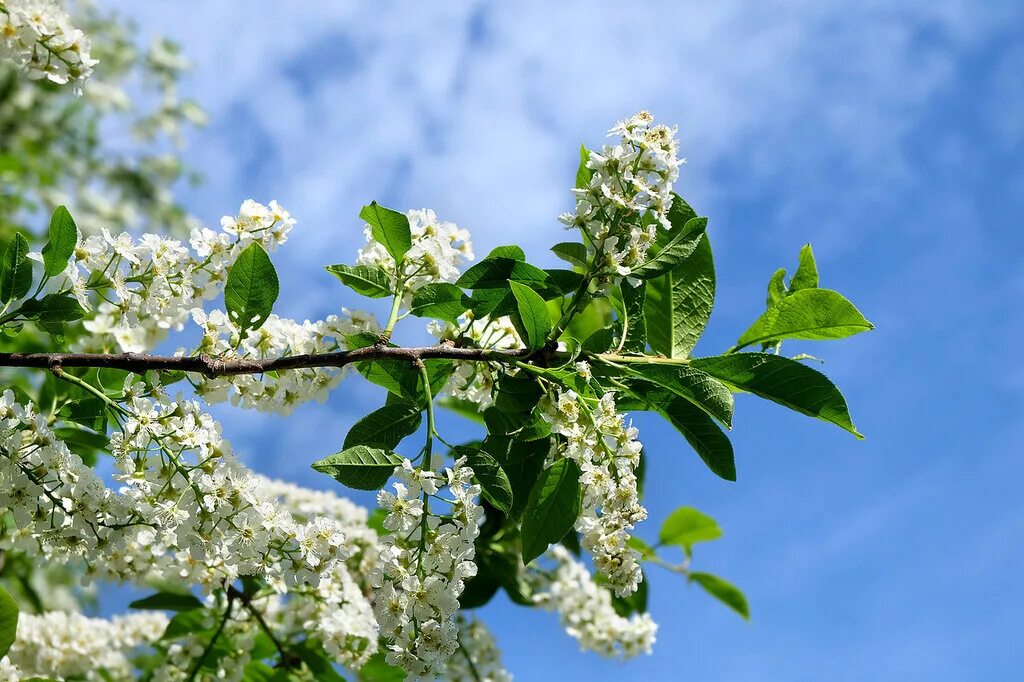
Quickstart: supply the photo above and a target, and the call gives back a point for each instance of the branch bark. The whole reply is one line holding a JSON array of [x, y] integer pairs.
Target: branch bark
[[212, 367]]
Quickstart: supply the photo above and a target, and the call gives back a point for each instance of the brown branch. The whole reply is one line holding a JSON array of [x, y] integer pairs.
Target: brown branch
[[212, 367]]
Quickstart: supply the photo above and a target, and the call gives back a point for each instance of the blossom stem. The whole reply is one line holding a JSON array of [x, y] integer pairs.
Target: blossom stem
[[213, 639], [396, 303]]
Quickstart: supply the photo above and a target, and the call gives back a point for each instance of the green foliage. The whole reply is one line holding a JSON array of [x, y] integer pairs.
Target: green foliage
[[679, 303], [389, 228], [370, 281], [8, 621], [360, 467], [686, 526], [815, 314], [15, 270], [723, 591], [167, 601], [492, 478], [251, 289], [61, 245], [552, 509], [531, 316], [440, 300], [784, 381], [386, 426]]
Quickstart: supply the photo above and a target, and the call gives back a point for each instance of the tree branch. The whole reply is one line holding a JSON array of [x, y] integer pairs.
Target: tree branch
[[212, 367]]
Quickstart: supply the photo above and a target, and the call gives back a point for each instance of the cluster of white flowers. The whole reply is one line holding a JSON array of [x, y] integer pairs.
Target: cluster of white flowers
[[478, 658], [423, 565], [438, 250], [276, 337], [607, 452], [71, 646], [474, 381], [38, 36], [585, 609], [630, 193], [188, 512], [151, 285]]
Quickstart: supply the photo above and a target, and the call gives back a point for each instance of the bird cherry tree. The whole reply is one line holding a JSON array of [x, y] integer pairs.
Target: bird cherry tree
[[113, 471]]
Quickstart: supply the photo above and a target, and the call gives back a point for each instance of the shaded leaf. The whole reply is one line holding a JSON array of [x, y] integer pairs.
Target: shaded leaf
[[386, 426], [440, 300], [784, 381], [552, 509], [531, 319], [679, 303]]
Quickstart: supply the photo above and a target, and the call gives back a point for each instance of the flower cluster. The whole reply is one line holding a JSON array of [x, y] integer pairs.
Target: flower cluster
[[438, 250], [478, 658], [585, 609], [151, 285], [70, 646], [607, 452], [423, 565], [629, 193], [38, 36], [474, 381], [188, 511], [276, 337]]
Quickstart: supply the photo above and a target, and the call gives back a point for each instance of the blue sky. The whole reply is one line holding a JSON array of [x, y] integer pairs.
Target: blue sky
[[887, 134]]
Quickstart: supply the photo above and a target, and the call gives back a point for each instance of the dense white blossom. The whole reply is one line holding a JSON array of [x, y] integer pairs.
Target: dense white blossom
[[608, 453], [424, 563], [70, 645], [150, 285], [438, 250], [38, 36], [629, 194], [585, 609]]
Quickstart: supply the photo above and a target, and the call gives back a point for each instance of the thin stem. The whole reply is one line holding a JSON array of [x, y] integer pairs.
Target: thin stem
[[396, 303], [213, 639]]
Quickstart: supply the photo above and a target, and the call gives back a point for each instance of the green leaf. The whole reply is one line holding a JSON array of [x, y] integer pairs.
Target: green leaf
[[806, 275], [723, 591], [360, 467], [522, 462], [508, 251], [186, 623], [167, 601], [695, 385], [492, 478], [53, 308], [573, 253], [777, 287], [646, 551], [388, 228], [8, 621], [531, 320], [784, 381], [552, 509], [368, 280], [495, 273], [463, 408], [583, 173], [63, 240], [517, 393], [703, 435], [686, 526], [319, 662], [679, 303], [677, 246], [377, 670], [807, 314], [15, 270], [440, 300], [90, 412], [251, 289], [632, 317], [385, 427]]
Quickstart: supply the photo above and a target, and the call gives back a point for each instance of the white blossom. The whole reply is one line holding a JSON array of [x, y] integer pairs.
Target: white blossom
[[38, 36], [585, 609]]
